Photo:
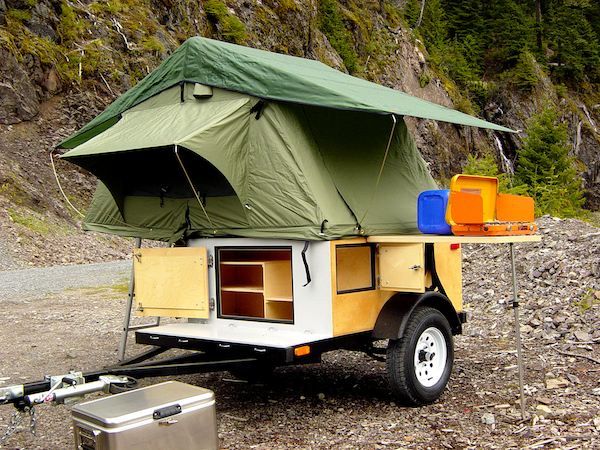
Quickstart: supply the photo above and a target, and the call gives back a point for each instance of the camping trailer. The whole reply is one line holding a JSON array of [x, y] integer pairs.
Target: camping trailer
[[281, 177], [287, 191]]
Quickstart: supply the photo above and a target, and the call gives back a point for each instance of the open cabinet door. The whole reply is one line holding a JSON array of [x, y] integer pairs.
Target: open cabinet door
[[171, 282]]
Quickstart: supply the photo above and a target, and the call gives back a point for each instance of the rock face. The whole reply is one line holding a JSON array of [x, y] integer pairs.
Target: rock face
[[19, 97], [118, 44]]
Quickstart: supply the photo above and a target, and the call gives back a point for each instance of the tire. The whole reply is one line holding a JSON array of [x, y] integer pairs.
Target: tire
[[254, 372], [420, 379]]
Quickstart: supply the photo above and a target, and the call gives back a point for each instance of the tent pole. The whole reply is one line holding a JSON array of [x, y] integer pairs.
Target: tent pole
[[127, 318], [515, 306], [189, 180]]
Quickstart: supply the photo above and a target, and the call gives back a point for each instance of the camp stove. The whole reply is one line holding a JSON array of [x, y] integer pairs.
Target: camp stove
[[170, 415]]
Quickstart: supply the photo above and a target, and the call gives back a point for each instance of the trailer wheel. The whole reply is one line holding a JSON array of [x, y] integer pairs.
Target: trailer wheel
[[419, 364]]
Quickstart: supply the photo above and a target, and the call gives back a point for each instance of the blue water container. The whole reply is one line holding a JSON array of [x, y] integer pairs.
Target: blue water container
[[431, 212]]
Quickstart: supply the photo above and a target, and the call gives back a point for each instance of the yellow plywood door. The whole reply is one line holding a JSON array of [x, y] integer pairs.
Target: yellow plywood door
[[402, 267], [448, 266], [356, 303], [171, 282]]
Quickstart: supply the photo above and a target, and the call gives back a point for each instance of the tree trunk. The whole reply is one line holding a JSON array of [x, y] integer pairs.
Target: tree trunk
[[538, 23], [420, 14]]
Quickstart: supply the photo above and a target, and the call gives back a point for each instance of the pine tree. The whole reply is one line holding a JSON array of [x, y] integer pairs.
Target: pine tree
[[573, 40], [545, 166]]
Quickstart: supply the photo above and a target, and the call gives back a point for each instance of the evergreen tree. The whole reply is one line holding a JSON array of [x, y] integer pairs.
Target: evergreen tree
[[573, 41], [511, 31], [545, 166]]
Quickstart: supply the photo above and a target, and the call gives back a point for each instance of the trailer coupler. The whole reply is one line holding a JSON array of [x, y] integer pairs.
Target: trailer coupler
[[67, 389], [74, 385]]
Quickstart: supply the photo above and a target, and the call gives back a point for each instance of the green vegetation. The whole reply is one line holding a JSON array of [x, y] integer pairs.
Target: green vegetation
[[524, 75], [230, 27], [331, 23], [587, 300], [31, 222], [78, 55], [486, 165], [547, 169], [502, 39], [152, 44], [11, 189], [70, 27]]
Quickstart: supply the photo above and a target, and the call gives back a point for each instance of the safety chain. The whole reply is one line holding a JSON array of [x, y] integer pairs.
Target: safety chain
[[15, 423]]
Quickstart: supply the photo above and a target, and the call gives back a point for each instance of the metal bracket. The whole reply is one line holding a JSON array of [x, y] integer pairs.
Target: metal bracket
[[211, 261], [10, 393]]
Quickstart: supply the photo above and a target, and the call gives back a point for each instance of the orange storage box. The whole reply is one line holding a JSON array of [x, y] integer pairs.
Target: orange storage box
[[486, 187], [514, 208]]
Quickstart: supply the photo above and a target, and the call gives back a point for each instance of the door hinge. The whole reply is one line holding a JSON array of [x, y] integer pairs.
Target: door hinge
[[211, 261], [211, 304]]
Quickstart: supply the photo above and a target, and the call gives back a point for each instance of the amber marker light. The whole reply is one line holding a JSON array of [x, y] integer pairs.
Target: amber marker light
[[302, 351]]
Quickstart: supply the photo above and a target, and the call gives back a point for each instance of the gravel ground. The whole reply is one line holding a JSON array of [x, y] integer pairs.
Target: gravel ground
[[7, 262], [37, 282], [344, 402]]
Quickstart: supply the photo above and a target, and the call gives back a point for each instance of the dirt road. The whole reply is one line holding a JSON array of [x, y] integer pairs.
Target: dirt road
[[38, 282]]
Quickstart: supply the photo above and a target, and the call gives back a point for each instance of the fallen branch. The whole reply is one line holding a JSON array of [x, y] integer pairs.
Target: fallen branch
[[106, 83], [576, 355]]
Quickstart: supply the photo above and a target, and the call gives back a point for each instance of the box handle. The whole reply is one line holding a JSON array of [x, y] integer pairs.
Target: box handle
[[167, 411]]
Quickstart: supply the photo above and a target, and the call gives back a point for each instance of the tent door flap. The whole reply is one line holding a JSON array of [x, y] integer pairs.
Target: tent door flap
[[171, 282]]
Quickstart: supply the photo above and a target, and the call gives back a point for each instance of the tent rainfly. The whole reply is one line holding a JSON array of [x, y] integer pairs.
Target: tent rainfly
[[225, 140]]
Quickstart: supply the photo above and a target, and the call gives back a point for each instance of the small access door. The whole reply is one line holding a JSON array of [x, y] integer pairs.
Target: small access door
[[402, 267], [171, 282]]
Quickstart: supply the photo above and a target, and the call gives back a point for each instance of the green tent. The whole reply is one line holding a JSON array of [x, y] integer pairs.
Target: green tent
[[227, 140]]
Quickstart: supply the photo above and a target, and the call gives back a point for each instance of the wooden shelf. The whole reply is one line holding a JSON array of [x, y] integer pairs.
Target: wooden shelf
[[242, 263], [258, 286], [252, 289]]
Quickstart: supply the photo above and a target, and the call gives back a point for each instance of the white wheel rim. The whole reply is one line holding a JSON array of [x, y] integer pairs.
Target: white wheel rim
[[430, 357]]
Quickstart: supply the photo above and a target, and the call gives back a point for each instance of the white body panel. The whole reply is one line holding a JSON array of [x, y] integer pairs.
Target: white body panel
[[312, 303]]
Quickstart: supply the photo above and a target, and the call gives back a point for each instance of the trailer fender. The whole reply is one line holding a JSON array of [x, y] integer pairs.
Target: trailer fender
[[394, 315]]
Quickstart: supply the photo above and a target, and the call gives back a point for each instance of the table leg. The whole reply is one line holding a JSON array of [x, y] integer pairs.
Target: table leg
[[515, 305]]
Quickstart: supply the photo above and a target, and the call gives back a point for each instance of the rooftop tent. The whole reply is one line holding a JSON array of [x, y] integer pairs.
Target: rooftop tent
[[273, 145]]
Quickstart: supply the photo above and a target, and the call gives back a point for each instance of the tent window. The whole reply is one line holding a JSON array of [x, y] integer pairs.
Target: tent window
[[157, 173]]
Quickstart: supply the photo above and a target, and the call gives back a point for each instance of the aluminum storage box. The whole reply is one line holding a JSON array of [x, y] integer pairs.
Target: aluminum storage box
[[170, 415]]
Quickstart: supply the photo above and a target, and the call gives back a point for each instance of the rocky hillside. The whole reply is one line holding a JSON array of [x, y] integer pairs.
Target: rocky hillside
[[64, 61]]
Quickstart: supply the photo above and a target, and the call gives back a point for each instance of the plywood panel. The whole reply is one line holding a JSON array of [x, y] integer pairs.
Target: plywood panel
[[240, 275], [448, 266], [171, 282], [402, 267], [242, 304], [278, 310], [354, 267], [356, 311], [278, 280]]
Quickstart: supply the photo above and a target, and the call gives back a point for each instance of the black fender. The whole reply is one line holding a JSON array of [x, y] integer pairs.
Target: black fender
[[394, 315]]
